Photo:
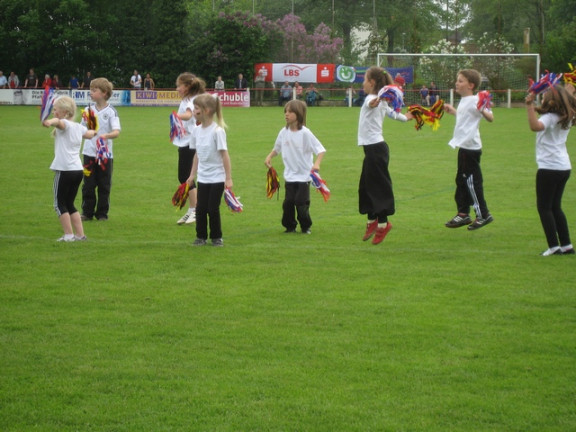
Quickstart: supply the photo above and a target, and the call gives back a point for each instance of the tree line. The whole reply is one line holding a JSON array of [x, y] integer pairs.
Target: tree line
[[225, 37]]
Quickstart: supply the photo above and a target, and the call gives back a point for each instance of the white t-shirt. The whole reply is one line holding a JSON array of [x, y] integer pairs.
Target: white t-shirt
[[551, 150], [67, 144], [297, 149], [466, 130], [108, 121], [208, 142], [371, 119], [136, 81], [189, 125]]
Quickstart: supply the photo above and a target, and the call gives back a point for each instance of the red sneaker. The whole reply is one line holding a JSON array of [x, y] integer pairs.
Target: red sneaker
[[370, 230], [381, 233]]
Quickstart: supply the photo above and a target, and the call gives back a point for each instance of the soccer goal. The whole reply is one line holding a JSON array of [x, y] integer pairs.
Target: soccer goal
[[505, 75]]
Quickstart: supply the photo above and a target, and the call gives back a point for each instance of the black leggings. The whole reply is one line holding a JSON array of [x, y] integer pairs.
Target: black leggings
[[66, 184], [550, 186], [208, 207]]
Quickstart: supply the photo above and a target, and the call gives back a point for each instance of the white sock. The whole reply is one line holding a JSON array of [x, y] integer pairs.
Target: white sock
[[68, 236]]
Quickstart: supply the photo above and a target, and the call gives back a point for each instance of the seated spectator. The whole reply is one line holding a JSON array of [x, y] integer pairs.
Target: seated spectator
[[299, 90], [312, 95]]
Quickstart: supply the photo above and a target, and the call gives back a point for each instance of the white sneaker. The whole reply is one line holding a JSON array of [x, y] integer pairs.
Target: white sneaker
[[66, 239], [189, 217]]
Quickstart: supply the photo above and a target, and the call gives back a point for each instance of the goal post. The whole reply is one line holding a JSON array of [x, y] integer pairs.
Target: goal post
[[505, 75]]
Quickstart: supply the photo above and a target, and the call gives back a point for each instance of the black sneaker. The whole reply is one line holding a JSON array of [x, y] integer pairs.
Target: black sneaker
[[199, 242], [568, 252], [479, 223], [217, 242], [458, 221], [552, 251]]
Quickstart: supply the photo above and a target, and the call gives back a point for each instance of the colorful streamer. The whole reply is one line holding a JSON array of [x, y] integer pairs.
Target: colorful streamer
[[320, 185], [484, 100], [180, 197], [393, 95], [232, 202], [90, 118], [102, 152], [48, 99], [272, 182], [177, 129], [570, 77], [545, 83]]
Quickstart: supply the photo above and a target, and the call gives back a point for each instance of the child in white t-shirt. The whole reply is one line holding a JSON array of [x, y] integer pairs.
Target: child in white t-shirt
[[557, 114], [469, 181], [211, 168], [67, 166], [297, 144]]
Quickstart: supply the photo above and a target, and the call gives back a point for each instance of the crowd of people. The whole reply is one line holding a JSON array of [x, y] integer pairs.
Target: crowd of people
[[204, 163]]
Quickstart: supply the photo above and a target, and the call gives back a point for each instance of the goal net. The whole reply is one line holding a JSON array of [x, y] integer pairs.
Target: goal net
[[505, 75]]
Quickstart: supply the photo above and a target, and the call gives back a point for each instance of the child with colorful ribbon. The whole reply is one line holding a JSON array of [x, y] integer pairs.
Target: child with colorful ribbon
[[557, 114], [67, 166], [182, 123], [298, 145], [469, 181], [375, 194], [98, 152], [211, 167]]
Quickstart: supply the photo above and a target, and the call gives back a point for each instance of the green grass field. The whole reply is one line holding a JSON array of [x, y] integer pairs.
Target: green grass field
[[432, 330]]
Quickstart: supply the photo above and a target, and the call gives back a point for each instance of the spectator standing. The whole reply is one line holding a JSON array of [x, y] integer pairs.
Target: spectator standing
[[31, 79], [74, 84], [47, 83], [87, 80], [3, 80], [259, 84], [424, 95], [149, 82], [240, 83], [219, 84], [432, 93], [56, 83], [136, 80], [13, 81]]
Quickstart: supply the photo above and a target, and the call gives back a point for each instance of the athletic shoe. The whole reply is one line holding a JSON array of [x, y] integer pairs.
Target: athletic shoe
[[66, 239], [307, 231], [188, 215], [458, 221], [552, 251], [568, 252], [217, 242], [192, 218], [289, 231], [83, 238], [370, 230], [199, 242], [85, 218], [479, 223], [102, 218], [381, 233]]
